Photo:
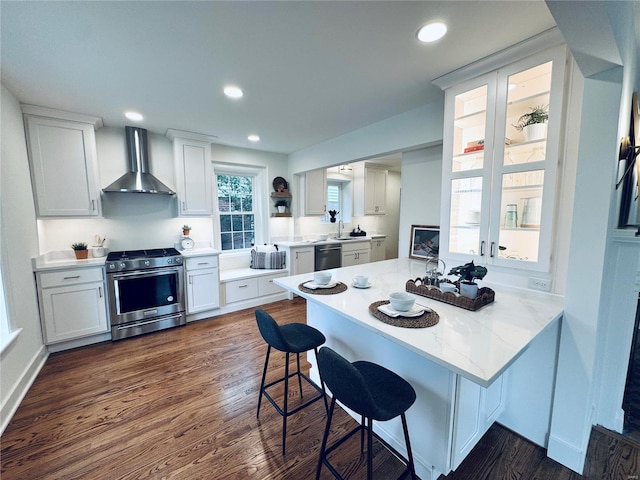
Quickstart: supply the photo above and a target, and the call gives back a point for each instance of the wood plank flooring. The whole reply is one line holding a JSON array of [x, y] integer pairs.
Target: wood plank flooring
[[181, 404]]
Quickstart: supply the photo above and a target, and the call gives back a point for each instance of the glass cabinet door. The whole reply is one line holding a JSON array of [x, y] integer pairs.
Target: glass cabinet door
[[499, 173], [469, 148]]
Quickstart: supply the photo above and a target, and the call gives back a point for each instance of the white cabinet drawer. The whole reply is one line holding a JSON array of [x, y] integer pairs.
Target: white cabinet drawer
[[195, 263], [266, 285], [70, 277], [355, 246], [237, 290]]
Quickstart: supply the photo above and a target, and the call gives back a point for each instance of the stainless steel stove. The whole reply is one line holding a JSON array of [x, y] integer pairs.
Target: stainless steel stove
[[145, 291]]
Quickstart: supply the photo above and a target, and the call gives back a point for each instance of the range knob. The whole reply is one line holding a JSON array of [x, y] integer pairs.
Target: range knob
[[169, 261], [123, 264], [147, 263], [178, 259]]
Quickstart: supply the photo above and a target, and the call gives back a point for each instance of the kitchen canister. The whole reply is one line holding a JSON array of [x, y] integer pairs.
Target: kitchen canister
[[531, 212], [511, 216]]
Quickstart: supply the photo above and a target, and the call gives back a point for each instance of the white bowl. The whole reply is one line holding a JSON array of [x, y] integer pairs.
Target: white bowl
[[401, 301], [323, 236], [321, 278]]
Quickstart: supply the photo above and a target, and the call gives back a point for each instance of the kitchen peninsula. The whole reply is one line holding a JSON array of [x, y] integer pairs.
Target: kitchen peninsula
[[464, 369]]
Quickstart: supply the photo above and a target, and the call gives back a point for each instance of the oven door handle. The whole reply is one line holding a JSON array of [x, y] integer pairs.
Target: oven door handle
[[147, 322], [146, 273]]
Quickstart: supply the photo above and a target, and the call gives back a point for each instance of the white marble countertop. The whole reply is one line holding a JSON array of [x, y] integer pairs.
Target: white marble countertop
[[62, 259], [59, 260], [199, 252], [478, 345]]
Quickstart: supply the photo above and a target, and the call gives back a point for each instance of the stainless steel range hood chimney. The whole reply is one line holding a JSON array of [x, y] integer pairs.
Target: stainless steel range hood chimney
[[138, 179]]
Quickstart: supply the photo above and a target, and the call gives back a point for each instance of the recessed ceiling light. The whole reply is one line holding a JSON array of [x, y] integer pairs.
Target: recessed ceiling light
[[134, 116], [432, 32], [232, 91], [253, 138]]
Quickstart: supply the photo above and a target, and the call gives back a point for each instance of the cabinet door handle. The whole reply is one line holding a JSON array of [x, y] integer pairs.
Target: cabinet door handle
[[492, 252], [243, 286], [71, 278], [482, 248], [184, 205], [93, 205], [190, 279], [297, 255], [203, 263], [100, 291]]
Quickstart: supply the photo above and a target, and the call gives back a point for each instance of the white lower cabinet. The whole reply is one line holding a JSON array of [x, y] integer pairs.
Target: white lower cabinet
[[378, 252], [476, 408], [300, 259], [355, 253], [252, 287], [72, 303], [238, 290], [203, 282], [266, 285]]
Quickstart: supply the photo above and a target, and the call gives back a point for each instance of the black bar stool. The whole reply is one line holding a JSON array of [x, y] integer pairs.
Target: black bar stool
[[290, 338], [372, 391]]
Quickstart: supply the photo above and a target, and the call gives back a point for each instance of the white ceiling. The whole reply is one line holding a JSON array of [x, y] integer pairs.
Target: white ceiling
[[310, 70]]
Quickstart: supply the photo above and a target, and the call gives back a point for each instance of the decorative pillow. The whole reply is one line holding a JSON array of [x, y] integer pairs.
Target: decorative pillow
[[274, 260]]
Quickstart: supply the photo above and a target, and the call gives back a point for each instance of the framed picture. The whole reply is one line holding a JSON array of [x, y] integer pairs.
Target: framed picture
[[425, 241]]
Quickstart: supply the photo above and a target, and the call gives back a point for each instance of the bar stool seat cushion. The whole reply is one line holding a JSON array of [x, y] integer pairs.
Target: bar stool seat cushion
[[299, 338], [391, 393]]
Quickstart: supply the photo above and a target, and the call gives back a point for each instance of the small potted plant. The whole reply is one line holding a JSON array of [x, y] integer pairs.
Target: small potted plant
[[281, 205], [80, 249], [533, 124], [186, 229], [467, 274]]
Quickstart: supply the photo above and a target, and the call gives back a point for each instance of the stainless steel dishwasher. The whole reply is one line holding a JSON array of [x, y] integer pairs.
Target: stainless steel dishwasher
[[328, 255]]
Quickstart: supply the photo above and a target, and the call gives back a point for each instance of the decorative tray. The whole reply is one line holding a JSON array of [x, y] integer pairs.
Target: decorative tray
[[485, 295]]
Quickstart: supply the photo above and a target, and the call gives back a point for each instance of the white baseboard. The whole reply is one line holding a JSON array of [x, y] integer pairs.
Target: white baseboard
[[79, 342], [21, 388], [567, 454]]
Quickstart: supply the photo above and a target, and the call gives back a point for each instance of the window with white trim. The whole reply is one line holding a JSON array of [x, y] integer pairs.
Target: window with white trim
[[334, 199], [236, 200]]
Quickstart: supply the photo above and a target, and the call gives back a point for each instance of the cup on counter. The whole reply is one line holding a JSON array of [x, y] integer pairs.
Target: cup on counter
[[361, 280], [448, 287], [321, 278]]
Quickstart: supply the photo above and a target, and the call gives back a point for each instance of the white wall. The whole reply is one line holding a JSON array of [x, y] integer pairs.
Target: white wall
[[414, 129], [22, 360], [421, 192], [588, 300]]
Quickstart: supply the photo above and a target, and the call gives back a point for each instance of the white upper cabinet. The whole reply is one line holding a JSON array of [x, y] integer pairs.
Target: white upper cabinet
[[194, 172], [315, 192], [499, 182], [369, 189], [64, 162]]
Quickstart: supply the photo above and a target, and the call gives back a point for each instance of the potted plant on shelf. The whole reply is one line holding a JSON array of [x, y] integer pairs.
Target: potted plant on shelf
[[186, 230], [467, 274], [533, 124], [281, 205], [80, 249]]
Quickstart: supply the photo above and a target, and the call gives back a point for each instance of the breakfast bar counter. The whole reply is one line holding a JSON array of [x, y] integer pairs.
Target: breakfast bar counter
[[459, 367]]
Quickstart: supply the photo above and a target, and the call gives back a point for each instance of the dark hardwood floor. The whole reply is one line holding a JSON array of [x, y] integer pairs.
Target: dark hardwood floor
[[182, 404]]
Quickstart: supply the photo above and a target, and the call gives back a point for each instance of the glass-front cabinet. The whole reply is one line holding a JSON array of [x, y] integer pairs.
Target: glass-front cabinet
[[500, 175]]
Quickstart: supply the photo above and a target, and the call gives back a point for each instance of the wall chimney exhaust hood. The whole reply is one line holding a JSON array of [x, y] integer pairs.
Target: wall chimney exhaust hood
[[138, 179]]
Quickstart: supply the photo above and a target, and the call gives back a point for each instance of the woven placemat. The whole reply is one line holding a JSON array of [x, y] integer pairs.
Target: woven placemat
[[339, 288], [428, 319]]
